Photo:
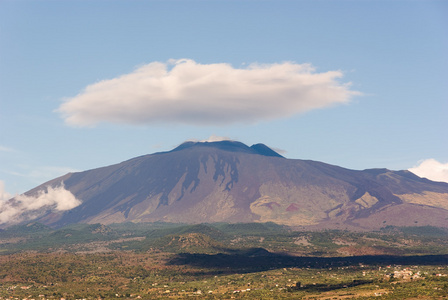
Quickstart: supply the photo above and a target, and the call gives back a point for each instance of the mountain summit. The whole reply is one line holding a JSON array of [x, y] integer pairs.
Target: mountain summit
[[231, 146], [228, 181]]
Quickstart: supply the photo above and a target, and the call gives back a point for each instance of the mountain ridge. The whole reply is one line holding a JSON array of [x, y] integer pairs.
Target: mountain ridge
[[228, 181], [232, 146]]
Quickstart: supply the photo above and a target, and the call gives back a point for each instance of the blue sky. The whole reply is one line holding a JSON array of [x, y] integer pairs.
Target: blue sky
[[359, 84]]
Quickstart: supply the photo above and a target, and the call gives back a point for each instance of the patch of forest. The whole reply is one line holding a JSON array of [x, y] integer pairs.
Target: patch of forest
[[223, 238], [220, 261], [250, 275]]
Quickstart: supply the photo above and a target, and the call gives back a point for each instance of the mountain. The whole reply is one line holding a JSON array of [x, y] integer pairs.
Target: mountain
[[228, 181]]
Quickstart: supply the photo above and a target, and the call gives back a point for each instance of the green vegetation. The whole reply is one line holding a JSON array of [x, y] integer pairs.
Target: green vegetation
[[221, 261]]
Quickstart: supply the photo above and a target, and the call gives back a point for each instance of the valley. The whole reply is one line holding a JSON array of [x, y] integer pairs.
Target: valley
[[221, 261]]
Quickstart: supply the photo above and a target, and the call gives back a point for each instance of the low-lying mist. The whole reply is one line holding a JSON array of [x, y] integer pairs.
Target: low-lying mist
[[23, 207]]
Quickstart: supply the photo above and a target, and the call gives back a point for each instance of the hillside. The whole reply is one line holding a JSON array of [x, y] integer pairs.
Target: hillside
[[230, 182]]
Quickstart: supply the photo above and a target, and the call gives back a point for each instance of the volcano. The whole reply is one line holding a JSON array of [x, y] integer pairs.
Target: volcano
[[228, 181]]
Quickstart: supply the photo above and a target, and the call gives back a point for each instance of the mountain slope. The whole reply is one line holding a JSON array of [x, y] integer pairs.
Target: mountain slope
[[230, 182]]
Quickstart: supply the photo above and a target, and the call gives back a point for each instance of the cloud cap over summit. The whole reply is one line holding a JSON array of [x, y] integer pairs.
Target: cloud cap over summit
[[186, 92]]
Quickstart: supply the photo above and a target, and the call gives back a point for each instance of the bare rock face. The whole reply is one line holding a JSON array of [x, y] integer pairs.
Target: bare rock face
[[228, 181]]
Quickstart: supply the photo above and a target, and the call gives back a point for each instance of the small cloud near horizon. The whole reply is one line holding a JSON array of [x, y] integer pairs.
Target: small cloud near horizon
[[23, 207], [215, 138], [212, 138], [186, 92], [431, 169], [278, 150]]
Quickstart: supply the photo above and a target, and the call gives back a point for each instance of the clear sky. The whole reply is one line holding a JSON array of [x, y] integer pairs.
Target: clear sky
[[85, 84]]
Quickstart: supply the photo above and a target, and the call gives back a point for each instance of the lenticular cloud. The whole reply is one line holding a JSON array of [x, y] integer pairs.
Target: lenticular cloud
[[186, 92]]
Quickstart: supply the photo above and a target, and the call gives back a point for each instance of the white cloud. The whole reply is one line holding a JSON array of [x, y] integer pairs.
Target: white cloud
[[278, 150], [23, 206], [186, 92], [431, 169], [3, 194], [215, 138], [212, 138]]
